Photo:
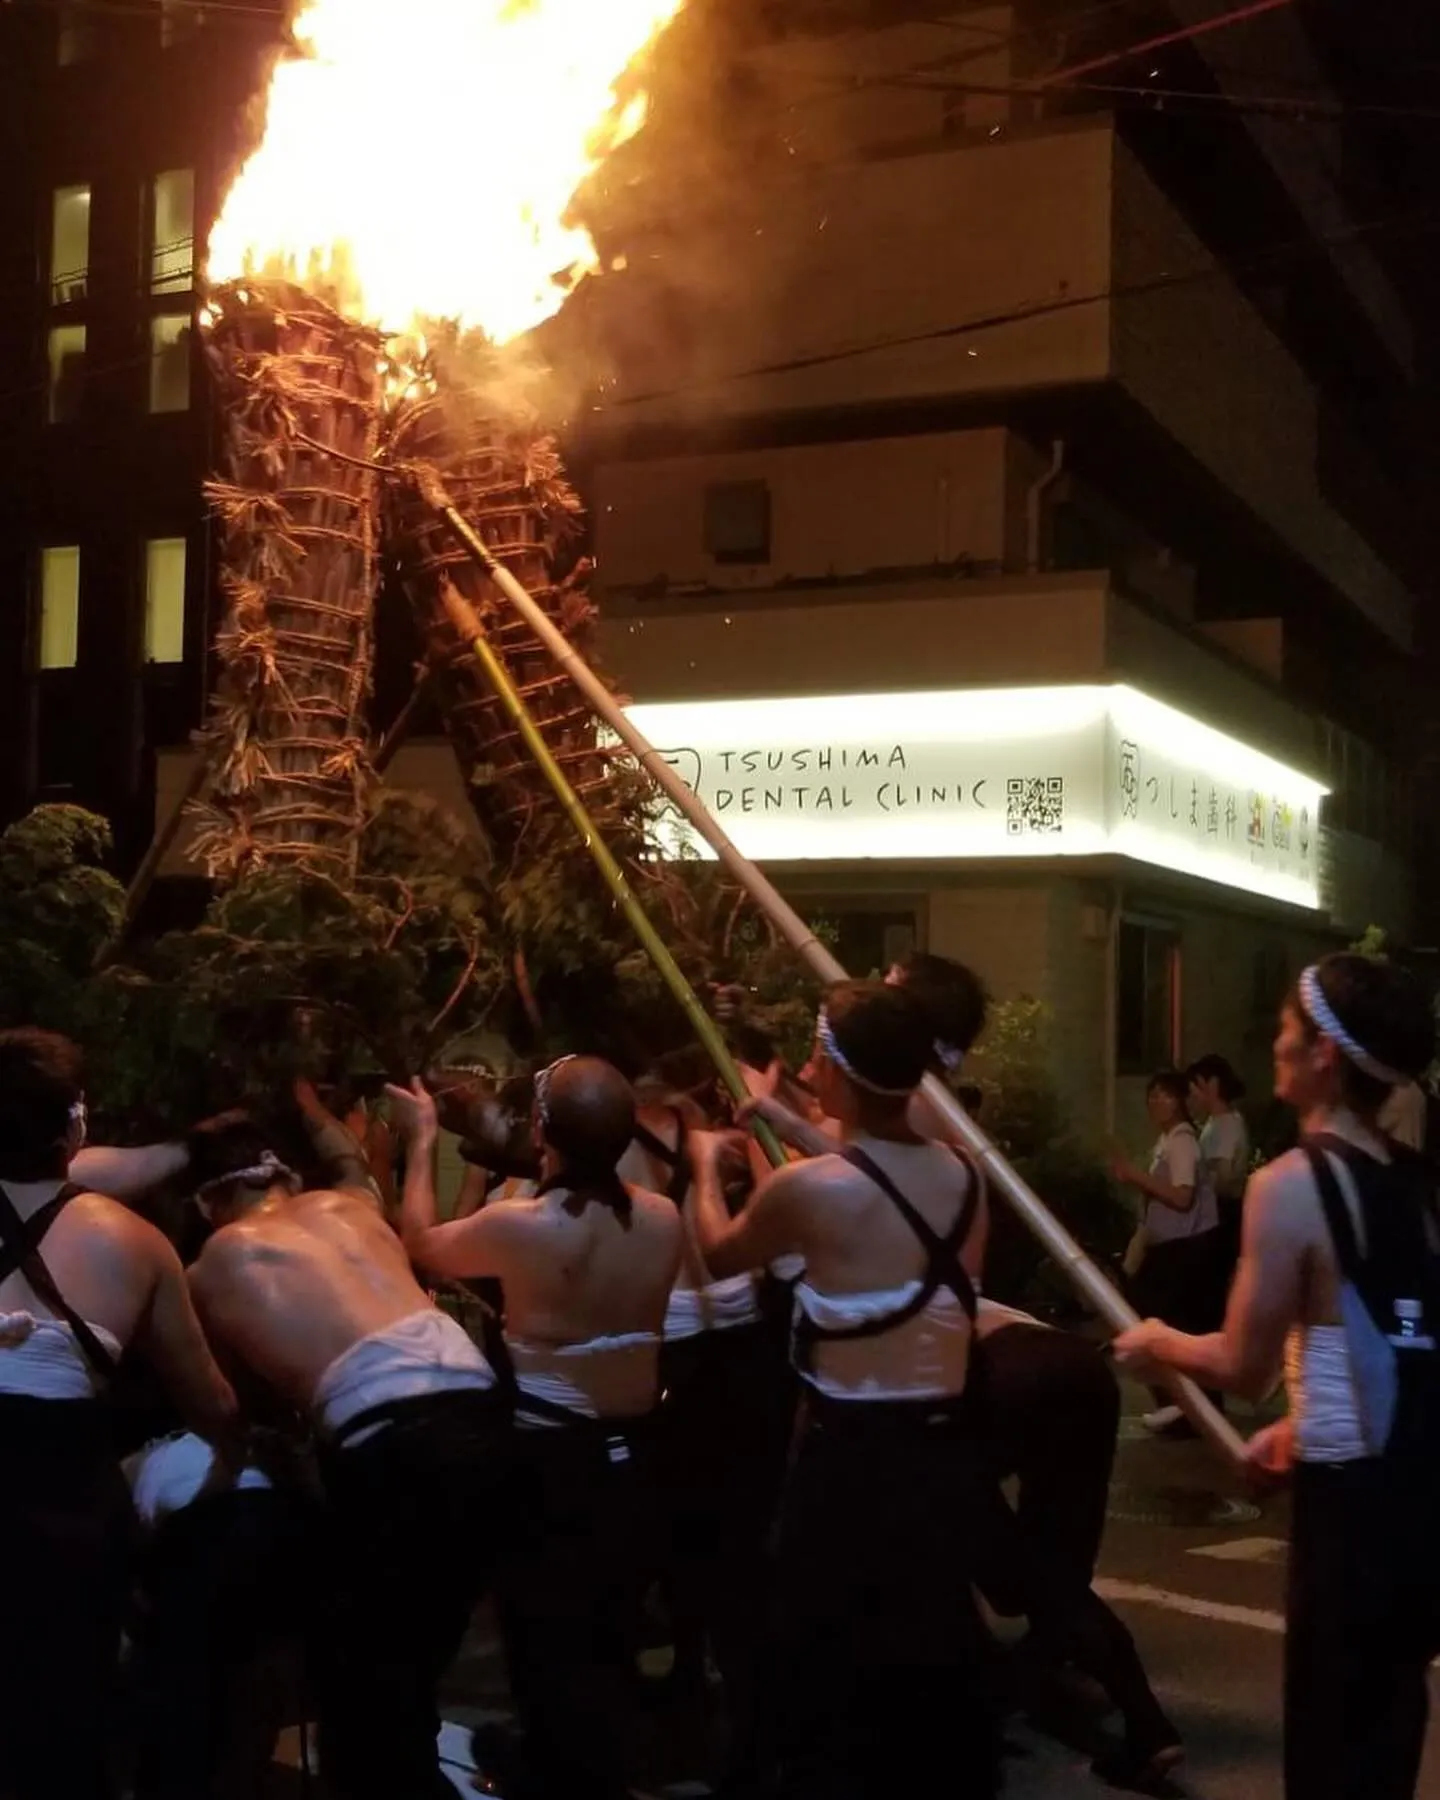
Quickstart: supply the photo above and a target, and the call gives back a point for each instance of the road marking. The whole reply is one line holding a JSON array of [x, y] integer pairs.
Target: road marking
[[1244, 1550], [1140, 1594]]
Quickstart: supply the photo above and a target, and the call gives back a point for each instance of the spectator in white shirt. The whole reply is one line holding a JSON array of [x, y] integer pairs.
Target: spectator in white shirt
[[1181, 1275]]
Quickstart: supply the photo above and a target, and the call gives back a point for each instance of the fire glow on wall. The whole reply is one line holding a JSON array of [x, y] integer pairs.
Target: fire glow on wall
[[995, 773]]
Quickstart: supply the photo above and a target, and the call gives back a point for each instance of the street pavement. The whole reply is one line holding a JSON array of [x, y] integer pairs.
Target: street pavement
[[1198, 1574]]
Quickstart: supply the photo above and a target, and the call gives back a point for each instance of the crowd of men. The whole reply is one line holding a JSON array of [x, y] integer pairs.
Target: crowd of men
[[778, 1397]]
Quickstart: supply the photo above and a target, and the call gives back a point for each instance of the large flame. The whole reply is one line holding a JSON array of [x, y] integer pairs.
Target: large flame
[[421, 159]]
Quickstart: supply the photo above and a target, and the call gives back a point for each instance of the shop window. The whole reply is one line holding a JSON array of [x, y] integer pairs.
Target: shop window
[[867, 943], [165, 600], [1147, 993], [59, 607], [170, 363], [69, 245], [737, 521], [171, 233], [67, 372]]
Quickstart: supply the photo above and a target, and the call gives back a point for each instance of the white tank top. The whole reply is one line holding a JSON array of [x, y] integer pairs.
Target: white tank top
[[926, 1358], [40, 1358]]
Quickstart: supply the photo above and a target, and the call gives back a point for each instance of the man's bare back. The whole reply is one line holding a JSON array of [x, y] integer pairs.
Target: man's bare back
[[300, 1280], [570, 1276]]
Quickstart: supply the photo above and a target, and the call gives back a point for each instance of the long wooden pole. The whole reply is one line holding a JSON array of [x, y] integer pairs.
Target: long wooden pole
[[706, 1030], [1089, 1281]]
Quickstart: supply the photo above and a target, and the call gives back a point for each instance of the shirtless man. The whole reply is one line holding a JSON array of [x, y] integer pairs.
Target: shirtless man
[[882, 1653], [82, 1280], [587, 1267], [314, 1294]]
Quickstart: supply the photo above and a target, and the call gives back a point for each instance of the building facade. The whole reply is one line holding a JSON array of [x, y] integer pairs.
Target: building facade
[[971, 419]]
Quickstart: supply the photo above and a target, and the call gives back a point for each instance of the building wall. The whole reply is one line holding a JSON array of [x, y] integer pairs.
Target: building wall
[[1203, 362], [837, 509], [845, 285]]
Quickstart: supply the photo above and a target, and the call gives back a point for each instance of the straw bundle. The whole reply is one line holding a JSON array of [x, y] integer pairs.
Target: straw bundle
[[505, 476], [299, 389]]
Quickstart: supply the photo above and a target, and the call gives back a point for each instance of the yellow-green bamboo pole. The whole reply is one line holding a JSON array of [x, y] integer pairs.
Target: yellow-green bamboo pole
[[706, 1030]]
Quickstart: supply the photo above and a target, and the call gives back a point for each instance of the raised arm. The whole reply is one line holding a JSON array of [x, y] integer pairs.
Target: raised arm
[[126, 1174], [341, 1155], [464, 1249], [767, 1229]]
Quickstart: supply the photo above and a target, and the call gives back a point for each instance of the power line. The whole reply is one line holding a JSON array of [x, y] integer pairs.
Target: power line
[[1253, 10], [1410, 224]]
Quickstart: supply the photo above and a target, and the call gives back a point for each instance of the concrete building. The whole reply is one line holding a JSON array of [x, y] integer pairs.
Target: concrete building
[[974, 411]]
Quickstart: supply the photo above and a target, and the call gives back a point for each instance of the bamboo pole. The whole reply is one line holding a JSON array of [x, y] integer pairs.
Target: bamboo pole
[[467, 623], [1089, 1281]]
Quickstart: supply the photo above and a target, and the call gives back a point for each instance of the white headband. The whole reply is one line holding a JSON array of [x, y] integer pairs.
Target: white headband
[[825, 1032], [542, 1089], [1322, 1016], [269, 1169]]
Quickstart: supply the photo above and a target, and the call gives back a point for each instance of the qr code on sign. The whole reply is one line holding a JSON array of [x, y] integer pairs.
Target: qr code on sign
[[1034, 803]]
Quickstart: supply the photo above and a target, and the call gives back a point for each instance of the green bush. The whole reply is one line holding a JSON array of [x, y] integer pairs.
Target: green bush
[[1024, 1116]]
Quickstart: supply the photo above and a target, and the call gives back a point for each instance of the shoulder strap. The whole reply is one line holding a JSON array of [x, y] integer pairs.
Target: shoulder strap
[[1337, 1214], [20, 1249], [676, 1160], [1409, 1248], [942, 1268]]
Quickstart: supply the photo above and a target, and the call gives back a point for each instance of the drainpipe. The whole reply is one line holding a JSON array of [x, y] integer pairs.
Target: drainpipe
[[1034, 500]]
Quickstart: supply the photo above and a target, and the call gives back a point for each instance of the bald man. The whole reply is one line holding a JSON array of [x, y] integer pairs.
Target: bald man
[[586, 1268], [314, 1295]]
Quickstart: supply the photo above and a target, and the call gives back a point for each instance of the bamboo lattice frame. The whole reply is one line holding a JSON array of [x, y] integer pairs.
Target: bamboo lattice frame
[[300, 389]]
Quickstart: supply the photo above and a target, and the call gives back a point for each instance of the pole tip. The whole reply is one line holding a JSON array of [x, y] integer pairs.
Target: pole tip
[[461, 613]]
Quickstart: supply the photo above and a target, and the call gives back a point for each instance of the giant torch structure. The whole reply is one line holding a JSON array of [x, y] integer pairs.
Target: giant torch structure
[[478, 501]]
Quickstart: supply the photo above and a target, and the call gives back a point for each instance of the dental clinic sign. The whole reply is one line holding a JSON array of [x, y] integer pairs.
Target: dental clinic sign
[[992, 773]]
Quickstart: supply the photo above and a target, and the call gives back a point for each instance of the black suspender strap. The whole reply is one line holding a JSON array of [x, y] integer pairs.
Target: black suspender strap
[[676, 1160], [942, 1266], [20, 1241]]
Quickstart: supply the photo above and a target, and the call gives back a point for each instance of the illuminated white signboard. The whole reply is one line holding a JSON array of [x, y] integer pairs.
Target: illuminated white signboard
[[1015, 772]]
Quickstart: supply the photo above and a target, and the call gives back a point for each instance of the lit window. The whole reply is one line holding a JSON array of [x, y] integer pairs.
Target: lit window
[[67, 372], [172, 232], [59, 607], [69, 245], [170, 363], [1147, 997], [165, 600]]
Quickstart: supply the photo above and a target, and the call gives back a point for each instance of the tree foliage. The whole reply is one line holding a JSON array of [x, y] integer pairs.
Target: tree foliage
[[1024, 1115], [290, 972]]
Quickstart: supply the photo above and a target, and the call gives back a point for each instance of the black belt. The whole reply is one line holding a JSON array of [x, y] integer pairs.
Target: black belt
[[420, 1410], [886, 1416]]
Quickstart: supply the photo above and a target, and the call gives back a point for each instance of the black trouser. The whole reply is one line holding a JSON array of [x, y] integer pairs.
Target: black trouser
[[66, 1534], [1050, 1416], [725, 1431], [569, 1589], [883, 1667], [227, 1582], [412, 1529], [1363, 1626], [1183, 1281]]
